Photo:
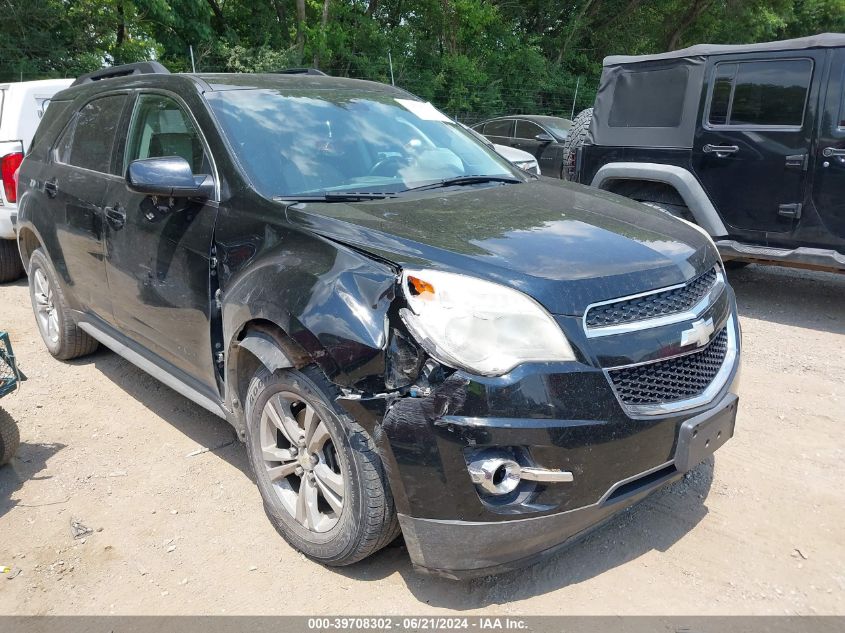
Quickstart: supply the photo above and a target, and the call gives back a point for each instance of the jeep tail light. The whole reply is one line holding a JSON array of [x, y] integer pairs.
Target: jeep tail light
[[8, 167]]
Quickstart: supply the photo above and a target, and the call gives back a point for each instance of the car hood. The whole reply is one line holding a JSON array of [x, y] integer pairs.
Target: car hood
[[564, 244]]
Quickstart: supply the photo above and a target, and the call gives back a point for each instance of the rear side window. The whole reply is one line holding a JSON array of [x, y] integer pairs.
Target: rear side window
[[498, 128], [88, 140], [527, 130], [649, 98], [762, 93]]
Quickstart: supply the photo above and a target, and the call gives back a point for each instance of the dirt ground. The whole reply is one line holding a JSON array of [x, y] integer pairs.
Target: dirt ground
[[757, 530]]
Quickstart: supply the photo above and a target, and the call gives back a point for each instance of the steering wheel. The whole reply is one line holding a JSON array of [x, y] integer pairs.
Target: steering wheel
[[387, 166]]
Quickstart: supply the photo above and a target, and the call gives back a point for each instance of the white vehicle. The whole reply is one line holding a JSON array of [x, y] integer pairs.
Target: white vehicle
[[21, 107], [521, 159]]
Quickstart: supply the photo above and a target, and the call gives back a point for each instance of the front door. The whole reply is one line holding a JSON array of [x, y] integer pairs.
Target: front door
[[80, 176], [158, 249], [751, 153], [829, 176]]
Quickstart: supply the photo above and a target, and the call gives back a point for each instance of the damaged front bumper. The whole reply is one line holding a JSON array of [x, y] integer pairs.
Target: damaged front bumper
[[549, 418]]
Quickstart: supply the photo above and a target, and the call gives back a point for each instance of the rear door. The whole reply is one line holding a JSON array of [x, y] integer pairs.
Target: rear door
[[829, 176], [75, 188], [751, 153], [158, 249]]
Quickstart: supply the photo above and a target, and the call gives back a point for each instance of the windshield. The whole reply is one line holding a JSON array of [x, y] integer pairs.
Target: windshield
[[312, 143]]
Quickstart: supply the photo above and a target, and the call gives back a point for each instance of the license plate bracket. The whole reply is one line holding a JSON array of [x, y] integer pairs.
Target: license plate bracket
[[700, 436]]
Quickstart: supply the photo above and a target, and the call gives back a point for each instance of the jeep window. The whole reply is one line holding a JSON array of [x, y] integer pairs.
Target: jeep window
[[311, 143], [760, 93], [528, 130], [649, 98], [498, 128], [87, 141], [161, 128]]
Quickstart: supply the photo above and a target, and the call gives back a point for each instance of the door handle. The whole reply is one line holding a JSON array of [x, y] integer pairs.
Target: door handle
[[720, 150], [51, 188], [827, 152], [116, 216]]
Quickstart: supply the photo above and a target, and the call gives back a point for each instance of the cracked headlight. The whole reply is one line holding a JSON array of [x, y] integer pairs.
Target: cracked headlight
[[477, 325]]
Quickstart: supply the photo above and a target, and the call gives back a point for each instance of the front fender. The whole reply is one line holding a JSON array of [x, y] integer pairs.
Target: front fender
[[331, 301]]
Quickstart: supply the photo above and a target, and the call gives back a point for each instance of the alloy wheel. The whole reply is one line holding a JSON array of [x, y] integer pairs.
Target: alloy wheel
[[301, 462], [45, 310]]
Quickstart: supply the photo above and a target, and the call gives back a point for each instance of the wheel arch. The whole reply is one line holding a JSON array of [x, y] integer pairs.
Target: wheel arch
[[680, 180], [28, 241], [257, 343]]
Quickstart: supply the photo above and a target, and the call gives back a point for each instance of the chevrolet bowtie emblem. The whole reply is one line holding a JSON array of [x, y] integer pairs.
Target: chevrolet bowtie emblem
[[699, 333]]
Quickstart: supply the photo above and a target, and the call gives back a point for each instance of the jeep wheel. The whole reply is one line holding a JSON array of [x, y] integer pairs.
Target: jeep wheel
[[321, 480], [575, 139], [60, 333], [10, 437], [11, 267]]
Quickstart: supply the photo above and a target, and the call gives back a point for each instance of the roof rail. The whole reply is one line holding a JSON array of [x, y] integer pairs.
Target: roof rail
[[139, 68], [301, 71]]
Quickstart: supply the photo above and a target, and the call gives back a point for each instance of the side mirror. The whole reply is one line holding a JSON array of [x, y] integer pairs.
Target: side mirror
[[543, 137], [167, 176]]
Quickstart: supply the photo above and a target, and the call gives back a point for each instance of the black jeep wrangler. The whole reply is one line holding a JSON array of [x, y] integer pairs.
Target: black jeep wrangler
[[746, 141], [408, 332]]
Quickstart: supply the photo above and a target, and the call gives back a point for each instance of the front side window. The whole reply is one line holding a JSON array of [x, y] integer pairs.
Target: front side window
[[88, 140], [161, 128], [527, 130], [761, 93], [314, 142]]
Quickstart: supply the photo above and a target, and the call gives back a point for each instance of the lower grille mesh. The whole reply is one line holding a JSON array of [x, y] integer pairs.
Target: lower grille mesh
[[673, 379]]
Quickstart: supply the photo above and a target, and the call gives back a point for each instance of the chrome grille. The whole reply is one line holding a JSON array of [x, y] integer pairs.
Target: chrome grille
[[650, 306], [671, 380]]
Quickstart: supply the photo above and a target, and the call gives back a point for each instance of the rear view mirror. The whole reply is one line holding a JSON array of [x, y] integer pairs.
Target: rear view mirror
[[543, 137], [167, 176]]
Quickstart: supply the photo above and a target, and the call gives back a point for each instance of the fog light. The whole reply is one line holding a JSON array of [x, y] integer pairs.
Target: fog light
[[496, 475]]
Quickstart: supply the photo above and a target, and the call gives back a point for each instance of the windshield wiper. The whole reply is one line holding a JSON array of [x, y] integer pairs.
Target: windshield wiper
[[458, 181], [337, 196]]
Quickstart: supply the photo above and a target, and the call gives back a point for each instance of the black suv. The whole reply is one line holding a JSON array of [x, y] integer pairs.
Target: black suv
[[746, 141], [408, 333]]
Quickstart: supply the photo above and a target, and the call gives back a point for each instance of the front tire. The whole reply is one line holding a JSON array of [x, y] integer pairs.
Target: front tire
[[320, 477], [60, 333], [11, 266]]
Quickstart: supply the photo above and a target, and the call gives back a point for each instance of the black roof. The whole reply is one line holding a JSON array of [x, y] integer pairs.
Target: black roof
[[823, 40], [227, 81]]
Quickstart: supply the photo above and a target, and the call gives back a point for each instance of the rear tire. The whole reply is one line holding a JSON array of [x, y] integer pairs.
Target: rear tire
[[10, 437], [11, 266], [60, 333], [322, 482], [575, 139]]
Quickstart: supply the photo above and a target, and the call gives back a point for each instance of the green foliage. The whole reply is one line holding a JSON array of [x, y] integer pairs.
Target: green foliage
[[473, 58]]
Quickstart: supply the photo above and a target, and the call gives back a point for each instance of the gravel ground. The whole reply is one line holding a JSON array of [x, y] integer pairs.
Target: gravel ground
[[757, 530]]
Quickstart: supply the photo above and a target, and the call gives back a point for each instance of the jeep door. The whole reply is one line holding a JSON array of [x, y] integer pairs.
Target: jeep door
[[751, 151], [75, 185], [158, 249], [829, 160]]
